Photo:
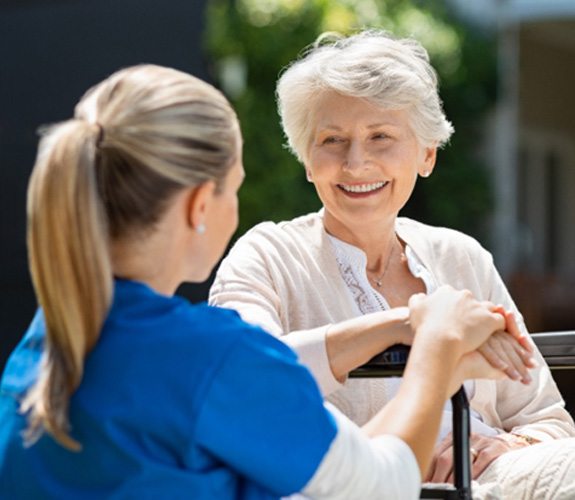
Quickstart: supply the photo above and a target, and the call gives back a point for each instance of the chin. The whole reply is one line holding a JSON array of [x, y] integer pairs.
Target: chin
[[201, 276], [198, 279]]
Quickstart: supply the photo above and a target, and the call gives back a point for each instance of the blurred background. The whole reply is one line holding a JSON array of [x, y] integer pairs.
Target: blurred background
[[507, 72]]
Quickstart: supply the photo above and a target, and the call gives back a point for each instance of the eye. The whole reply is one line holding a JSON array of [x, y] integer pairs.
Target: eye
[[380, 136], [332, 139]]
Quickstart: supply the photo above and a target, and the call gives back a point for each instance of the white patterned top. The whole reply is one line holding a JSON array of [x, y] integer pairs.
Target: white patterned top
[[352, 263]]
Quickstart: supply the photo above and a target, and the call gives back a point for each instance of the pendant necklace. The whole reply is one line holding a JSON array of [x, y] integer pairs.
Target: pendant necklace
[[379, 281]]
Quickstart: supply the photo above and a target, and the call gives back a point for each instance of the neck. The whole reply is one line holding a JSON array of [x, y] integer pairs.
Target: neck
[[134, 261], [376, 241], [156, 257]]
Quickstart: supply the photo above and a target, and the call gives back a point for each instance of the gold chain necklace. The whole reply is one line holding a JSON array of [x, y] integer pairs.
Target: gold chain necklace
[[379, 281]]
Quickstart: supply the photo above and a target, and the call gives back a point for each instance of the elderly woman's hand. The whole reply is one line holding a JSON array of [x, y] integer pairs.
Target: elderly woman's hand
[[484, 450], [510, 351]]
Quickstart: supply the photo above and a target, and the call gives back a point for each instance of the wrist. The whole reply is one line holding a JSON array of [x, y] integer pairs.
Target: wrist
[[518, 440], [444, 343], [401, 326], [528, 440]]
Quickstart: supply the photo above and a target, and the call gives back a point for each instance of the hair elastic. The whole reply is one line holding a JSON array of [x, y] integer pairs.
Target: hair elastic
[[100, 136]]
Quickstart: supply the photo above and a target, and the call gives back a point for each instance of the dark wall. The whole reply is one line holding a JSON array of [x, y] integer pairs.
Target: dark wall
[[50, 53]]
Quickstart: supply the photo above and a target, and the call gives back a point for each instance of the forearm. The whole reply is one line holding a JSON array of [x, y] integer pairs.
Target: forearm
[[358, 467], [558, 424], [419, 402], [352, 343]]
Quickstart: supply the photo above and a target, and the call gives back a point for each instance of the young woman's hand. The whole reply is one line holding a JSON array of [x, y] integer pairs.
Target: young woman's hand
[[454, 316]]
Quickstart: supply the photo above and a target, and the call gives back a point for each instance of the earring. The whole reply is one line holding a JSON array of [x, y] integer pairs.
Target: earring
[[201, 229], [426, 173]]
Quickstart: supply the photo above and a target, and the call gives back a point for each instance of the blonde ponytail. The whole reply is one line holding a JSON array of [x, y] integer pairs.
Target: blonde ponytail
[[108, 175], [70, 267]]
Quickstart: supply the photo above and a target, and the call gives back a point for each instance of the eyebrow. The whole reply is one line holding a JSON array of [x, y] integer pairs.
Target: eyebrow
[[370, 127], [382, 124]]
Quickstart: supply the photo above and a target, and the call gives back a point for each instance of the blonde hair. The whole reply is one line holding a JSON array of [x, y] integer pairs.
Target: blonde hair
[[391, 73], [136, 139]]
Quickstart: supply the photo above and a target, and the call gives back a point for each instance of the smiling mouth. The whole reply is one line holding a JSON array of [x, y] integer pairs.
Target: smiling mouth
[[362, 188]]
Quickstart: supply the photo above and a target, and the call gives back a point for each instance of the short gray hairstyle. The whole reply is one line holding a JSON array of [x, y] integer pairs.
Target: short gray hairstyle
[[389, 72]]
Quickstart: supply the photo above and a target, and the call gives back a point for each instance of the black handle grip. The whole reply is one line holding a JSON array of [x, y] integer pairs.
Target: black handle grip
[[389, 363]]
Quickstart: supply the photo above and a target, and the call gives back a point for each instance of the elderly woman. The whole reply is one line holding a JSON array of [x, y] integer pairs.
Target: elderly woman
[[121, 390], [364, 117]]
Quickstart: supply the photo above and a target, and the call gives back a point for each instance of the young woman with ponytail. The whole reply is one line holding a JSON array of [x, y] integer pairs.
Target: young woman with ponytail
[[119, 389]]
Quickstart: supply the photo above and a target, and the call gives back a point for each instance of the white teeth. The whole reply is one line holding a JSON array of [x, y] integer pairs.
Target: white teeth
[[362, 188]]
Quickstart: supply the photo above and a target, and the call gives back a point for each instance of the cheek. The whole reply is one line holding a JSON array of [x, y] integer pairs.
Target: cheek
[[321, 173], [322, 159]]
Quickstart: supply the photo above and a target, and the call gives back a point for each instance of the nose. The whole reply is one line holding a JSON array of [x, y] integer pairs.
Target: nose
[[356, 156]]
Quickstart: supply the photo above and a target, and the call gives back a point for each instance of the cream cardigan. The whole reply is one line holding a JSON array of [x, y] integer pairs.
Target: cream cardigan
[[285, 278]]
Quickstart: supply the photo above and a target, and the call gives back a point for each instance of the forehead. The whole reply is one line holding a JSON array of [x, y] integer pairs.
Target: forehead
[[334, 110]]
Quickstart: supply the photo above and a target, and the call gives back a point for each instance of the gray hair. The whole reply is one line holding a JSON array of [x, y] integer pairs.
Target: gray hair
[[391, 73]]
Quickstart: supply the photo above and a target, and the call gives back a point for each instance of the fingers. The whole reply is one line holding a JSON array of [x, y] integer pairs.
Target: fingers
[[442, 467], [493, 358], [504, 353], [513, 329], [441, 461], [415, 300], [446, 442], [519, 360], [483, 451], [454, 315], [486, 450]]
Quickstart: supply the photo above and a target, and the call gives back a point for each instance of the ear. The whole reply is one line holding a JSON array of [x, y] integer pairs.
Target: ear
[[428, 161], [200, 200], [308, 175]]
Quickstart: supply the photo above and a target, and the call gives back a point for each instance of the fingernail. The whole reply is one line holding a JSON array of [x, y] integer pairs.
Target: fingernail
[[514, 374]]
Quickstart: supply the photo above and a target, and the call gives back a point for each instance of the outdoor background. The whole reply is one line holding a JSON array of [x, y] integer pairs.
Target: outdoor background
[[506, 72]]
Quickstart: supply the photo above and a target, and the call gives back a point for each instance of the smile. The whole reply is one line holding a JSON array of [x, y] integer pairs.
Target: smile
[[362, 188]]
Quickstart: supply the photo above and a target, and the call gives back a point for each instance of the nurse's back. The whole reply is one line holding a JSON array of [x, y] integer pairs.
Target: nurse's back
[[147, 413]]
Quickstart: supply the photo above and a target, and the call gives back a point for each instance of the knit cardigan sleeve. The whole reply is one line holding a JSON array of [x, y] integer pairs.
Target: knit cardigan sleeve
[[273, 283], [536, 409]]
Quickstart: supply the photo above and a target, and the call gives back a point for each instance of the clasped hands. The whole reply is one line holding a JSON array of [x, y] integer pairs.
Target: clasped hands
[[488, 337], [493, 346]]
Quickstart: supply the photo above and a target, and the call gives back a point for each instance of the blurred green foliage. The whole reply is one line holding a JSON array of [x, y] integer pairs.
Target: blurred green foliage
[[250, 41]]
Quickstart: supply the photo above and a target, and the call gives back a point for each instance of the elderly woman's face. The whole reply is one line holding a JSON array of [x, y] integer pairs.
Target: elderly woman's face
[[363, 160]]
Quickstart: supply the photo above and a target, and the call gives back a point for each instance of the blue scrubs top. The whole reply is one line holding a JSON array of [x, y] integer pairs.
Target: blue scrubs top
[[177, 401]]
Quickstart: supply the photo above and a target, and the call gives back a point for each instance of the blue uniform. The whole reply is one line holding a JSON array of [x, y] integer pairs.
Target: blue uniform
[[177, 401]]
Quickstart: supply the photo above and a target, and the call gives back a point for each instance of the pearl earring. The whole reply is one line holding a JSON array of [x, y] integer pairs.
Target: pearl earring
[[201, 229], [426, 173]]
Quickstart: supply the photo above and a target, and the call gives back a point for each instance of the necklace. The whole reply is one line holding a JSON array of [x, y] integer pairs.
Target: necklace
[[379, 281]]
